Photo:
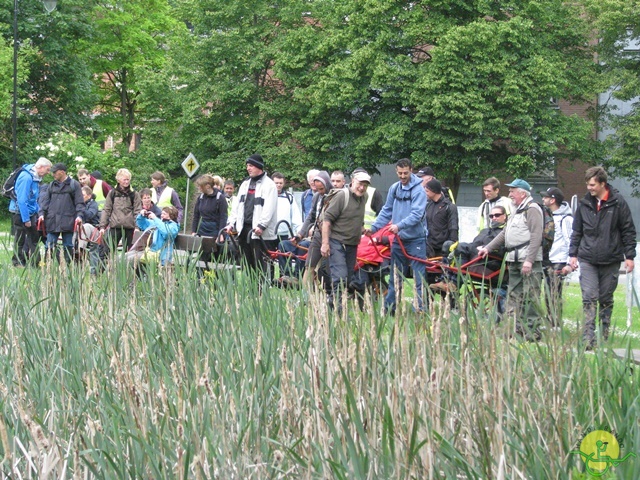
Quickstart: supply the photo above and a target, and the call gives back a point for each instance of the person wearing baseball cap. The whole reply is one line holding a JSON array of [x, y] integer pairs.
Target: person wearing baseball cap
[[426, 174], [375, 201], [60, 209], [341, 229], [522, 239], [553, 199], [253, 216]]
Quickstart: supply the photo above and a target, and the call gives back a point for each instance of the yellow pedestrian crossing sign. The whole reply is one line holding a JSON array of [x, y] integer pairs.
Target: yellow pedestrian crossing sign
[[190, 165]]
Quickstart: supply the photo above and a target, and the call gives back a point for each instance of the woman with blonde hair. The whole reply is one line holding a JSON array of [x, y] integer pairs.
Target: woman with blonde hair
[[121, 207]]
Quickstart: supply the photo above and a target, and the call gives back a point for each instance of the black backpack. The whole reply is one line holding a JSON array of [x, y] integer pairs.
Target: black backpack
[[8, 187], [548, 230]]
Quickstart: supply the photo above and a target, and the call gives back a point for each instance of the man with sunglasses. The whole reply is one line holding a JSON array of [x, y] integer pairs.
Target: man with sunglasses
[[522, 239]]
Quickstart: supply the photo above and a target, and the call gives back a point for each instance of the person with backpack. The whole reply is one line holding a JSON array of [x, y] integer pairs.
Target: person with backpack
[[287, 209], [603, 236], [306, 241], [426, 174], [553, 199], [405, 208], [61, 209], [522, 239], [121, 207], [342, 222], [23, 188]]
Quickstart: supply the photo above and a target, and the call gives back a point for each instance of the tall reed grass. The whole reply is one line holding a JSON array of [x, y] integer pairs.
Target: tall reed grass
[[172, 377]]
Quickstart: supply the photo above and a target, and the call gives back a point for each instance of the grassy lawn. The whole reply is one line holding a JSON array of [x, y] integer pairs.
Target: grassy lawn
[[173, 377]]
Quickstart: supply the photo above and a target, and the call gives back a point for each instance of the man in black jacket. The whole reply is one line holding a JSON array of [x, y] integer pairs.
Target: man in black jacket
[[442, 219], [603, 236], [61, 208]]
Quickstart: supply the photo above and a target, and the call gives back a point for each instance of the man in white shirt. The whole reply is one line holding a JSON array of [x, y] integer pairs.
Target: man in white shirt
[[287, 209]]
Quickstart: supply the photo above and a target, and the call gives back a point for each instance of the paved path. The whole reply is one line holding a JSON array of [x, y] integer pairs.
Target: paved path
[[622, 353]]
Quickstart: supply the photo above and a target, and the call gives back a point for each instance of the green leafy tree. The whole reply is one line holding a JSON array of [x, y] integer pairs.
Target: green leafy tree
[[127, 39], [54, 89], [484, 100], [618, 29], [220, 97]]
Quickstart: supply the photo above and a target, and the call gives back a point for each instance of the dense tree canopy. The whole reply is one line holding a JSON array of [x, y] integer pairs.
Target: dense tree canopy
[[618, 24], [465, 86]]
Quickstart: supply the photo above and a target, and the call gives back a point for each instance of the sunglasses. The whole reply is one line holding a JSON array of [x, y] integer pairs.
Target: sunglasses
[[495, 215]]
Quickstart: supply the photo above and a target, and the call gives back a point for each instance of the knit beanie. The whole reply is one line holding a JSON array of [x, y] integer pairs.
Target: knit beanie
[[256, 160], [323, 176]]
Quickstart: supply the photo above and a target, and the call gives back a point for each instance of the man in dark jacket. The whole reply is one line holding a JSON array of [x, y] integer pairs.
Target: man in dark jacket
[[442, 218], [603, 236], [61, 208]]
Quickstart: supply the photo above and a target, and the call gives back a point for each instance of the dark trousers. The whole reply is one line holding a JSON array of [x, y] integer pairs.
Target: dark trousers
[[254, 251], [25, 246], [115, 235], [553, 297], [598, 283], [292, 265]]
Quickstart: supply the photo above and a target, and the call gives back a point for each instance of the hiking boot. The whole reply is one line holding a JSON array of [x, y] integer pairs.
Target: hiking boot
[[443, 287], [287, 282]]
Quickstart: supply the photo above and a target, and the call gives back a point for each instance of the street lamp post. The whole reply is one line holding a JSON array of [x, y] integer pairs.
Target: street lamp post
[[49, 6]]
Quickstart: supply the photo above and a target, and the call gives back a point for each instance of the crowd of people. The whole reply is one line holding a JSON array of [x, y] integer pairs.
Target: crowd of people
[[538, 244]]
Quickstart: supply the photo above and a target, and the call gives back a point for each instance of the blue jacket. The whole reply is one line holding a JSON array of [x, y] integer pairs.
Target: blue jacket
[[406, 208], [306, 202], [163, 237], [27, 189]]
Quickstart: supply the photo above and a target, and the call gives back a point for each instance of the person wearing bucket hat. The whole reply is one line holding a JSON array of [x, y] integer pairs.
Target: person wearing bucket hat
[[253, 216], [522, 239]]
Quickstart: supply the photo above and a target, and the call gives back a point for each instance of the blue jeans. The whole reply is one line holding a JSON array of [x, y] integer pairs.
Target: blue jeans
[[292, 266], [342, 262], [67, 243], [399, 263]]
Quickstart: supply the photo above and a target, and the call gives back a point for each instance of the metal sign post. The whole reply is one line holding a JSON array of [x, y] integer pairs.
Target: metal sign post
[[190, 165]]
